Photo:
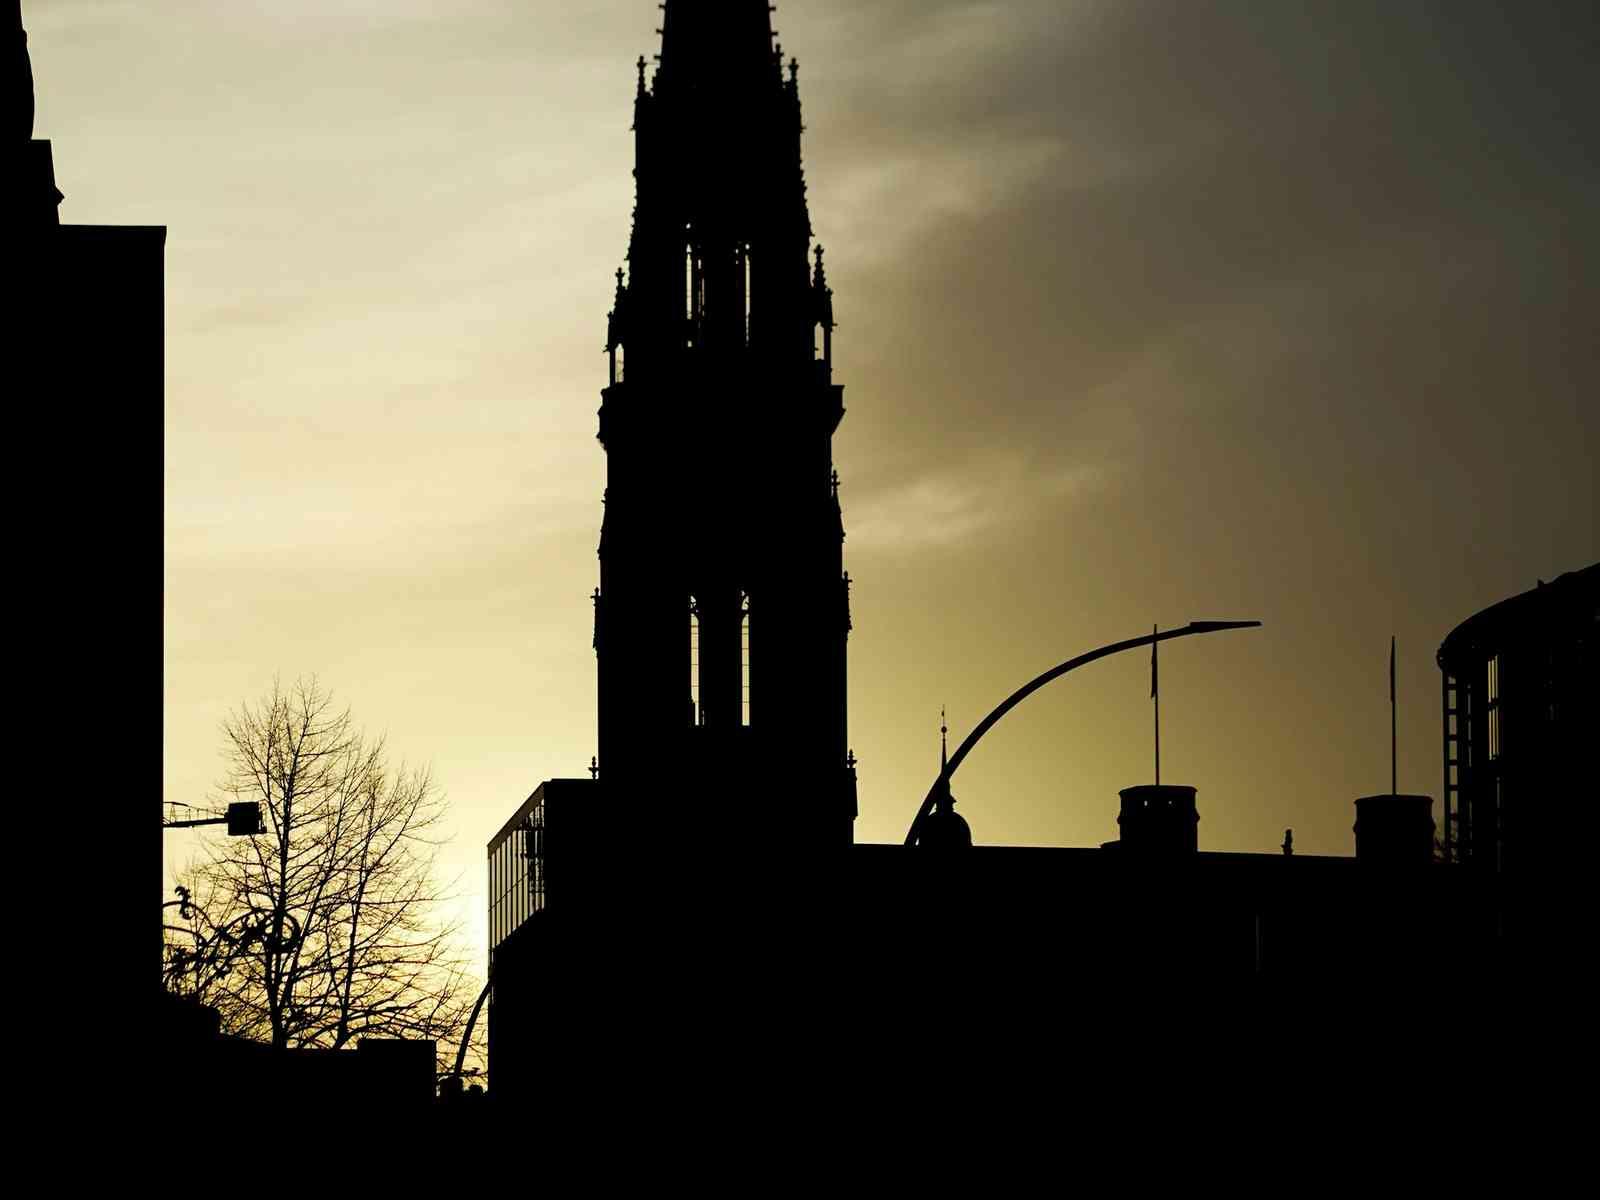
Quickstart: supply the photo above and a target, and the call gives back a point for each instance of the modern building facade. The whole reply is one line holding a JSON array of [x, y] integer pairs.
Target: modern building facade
[[1521, 711], [1520, 716], [84, 378], [519, 897]]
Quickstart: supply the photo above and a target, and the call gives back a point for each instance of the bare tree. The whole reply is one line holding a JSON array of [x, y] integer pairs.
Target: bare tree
[[327, 927]]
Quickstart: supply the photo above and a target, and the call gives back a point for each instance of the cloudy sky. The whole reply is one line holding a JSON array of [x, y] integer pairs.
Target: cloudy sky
[[1148, 312]]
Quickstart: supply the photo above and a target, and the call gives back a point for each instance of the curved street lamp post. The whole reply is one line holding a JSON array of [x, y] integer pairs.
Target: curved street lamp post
[[1027, 689]]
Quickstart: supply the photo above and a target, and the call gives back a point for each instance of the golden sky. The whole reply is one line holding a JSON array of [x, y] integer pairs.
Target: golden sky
[[1148, 312]]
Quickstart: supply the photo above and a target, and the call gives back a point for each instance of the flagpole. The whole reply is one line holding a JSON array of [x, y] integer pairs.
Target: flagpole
[[1394, 758], [1155, 694]]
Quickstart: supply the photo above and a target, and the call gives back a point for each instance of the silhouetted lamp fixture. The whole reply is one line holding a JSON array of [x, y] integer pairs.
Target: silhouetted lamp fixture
[[941, 785], [242, 819]]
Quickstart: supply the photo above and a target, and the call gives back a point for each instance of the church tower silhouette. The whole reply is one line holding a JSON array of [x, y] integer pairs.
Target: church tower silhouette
[[723, 608]]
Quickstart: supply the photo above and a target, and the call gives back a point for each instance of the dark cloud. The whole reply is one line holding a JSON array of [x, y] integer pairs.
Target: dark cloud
[[1251, 166]]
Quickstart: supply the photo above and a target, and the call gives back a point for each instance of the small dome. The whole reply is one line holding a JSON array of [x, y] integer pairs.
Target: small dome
[[944, 827]]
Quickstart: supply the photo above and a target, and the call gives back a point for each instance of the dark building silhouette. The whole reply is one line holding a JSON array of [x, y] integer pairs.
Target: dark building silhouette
[[84, 365], [700, 901], [1157, 819], [388, 1076], [723, 611], [1520, 712], [722, 615], [723, 608], [519, 892], [85, 377], [1395, 829]]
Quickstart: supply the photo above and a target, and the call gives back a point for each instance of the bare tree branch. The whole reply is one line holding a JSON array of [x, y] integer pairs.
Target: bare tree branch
[[326, 927]]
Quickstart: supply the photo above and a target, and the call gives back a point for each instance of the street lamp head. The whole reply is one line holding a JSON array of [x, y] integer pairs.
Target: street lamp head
[[1213, 626]]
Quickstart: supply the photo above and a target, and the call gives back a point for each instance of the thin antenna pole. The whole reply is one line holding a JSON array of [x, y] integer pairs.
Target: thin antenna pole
[[944, 733], [1394, 754], [1155, 694]]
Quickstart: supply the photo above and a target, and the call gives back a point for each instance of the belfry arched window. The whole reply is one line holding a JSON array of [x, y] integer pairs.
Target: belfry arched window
[[694, 662], [744, 659], [694, 287], [744, 288]]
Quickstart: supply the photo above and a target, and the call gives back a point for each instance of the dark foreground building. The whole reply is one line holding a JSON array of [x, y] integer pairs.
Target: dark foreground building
[[377, 1077], [83, 371], [699, 904], [1521, 700], [888, 962], [1521, 688]]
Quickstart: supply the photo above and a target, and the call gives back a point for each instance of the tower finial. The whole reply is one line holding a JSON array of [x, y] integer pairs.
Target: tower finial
[[944, 731]]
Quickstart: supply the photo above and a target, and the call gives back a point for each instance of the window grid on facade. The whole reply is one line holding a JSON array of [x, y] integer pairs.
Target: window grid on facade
[[1492, 707], [1493, 747], [516, 877]]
